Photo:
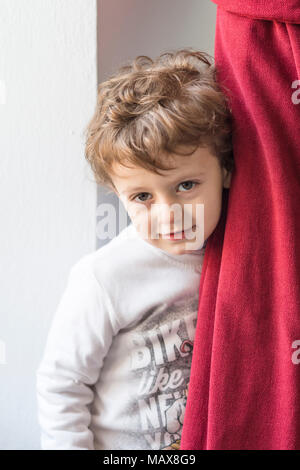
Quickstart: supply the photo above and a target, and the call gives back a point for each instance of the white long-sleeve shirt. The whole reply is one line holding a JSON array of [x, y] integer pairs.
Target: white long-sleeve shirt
[[116, 365]]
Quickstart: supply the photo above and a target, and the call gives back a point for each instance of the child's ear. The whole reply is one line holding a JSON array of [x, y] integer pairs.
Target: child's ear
[[226, 178]]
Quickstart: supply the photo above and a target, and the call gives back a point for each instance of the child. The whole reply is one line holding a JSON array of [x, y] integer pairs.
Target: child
[[115, 370]]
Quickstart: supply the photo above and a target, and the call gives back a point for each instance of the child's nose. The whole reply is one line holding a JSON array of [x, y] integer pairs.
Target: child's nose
[[168, 214]]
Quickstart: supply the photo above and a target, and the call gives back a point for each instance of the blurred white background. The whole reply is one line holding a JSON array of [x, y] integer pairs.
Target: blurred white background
[[53, 53]]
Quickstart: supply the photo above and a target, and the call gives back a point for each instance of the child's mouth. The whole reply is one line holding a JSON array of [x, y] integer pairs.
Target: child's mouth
[[178, 235]]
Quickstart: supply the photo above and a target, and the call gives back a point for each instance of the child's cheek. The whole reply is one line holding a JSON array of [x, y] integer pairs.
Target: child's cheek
[[140, 217]]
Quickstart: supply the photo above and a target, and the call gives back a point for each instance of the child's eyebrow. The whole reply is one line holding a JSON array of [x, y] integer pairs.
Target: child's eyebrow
[[178, 180], [127, 191]]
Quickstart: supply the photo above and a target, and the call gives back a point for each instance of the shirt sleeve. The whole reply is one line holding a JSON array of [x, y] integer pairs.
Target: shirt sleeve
[[79, 338]]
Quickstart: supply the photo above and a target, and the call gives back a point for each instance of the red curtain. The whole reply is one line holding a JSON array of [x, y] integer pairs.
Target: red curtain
[[244, 390]]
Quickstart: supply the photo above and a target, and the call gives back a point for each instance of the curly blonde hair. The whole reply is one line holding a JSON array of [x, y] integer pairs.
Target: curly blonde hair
[[150, 108]]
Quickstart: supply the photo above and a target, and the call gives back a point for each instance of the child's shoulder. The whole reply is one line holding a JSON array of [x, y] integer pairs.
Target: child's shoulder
[[113, 259]]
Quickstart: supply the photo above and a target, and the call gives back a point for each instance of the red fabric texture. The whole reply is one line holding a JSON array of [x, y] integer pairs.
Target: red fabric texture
[[244, 390], [287, 11]]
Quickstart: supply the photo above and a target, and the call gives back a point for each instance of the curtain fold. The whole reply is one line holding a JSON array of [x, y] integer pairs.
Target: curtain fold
[[244, 390], [287, 11]]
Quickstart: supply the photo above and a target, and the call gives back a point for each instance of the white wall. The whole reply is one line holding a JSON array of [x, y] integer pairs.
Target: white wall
[[48, 83], [47, 201]]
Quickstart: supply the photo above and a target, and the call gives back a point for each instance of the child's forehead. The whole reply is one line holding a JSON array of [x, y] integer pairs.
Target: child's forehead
[[176, 164], [139, 172]]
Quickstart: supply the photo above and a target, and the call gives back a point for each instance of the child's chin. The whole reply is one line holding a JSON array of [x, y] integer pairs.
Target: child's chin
[[177, 251]]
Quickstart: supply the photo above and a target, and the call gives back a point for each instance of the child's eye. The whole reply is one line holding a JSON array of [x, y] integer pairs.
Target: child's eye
[[188, 183], [139, 200]]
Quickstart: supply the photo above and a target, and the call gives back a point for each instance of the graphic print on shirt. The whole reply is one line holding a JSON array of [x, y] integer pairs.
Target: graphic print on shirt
[[161, 357]]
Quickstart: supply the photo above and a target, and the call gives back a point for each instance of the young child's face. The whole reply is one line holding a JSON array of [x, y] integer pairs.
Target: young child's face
[[197, 179]]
